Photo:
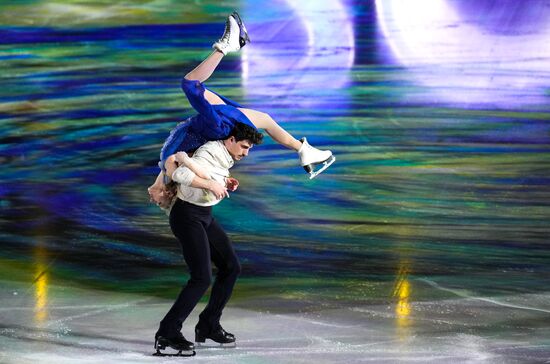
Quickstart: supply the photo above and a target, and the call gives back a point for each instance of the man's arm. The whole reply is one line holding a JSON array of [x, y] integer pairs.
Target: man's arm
[[187, 177], [219, 190]]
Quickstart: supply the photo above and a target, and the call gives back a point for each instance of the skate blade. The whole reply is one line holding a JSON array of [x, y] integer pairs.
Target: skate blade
[[326, 164], [176, 353], [210, 344], [244, 39]]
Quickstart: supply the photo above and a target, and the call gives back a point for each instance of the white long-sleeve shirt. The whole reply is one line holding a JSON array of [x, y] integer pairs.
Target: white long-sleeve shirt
[[214, 157]]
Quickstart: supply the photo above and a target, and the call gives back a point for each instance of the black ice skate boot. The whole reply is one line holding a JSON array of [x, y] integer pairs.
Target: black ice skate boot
[[178, 343], [218, 335]]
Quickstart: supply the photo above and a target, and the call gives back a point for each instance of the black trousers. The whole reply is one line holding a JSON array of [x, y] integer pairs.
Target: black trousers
[[203, 241]]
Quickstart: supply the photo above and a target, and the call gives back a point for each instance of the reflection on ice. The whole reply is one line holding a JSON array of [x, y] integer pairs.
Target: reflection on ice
[[41, 285], [119, 328]]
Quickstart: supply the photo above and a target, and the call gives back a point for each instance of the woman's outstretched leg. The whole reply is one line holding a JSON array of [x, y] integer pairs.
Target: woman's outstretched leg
[[233, 39], [203, 72], [312, 159], [264, 121], [205, 69]]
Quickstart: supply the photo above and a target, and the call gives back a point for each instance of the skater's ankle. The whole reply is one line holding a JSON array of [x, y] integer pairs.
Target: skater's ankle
[[297, 145]]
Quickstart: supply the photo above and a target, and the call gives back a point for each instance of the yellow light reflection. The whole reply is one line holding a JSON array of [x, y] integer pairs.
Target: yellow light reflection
[[403, 309], [403, 306], [41, 296], [41, 286]]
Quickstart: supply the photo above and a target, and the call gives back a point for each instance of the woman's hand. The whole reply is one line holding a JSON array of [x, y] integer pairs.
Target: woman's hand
[[231, 184], [182, 158]]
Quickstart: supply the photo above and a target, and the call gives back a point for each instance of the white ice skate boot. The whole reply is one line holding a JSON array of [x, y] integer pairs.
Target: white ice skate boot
[[311, 157], [230, 41], [243, 34]]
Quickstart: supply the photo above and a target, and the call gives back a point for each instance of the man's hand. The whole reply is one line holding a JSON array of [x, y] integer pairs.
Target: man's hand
[[231, 184], [217, 189]]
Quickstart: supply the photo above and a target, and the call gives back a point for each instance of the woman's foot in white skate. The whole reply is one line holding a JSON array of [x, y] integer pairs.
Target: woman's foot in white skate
[[313, 160], [231, 39]]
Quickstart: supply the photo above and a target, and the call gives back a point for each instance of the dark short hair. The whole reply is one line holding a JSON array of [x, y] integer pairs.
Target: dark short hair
[[245, 132]]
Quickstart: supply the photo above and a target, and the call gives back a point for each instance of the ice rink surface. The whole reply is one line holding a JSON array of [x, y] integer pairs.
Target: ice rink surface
[[87, 326]]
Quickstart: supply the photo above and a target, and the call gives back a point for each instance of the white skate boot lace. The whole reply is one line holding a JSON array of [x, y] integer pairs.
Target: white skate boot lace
[[226, 34]]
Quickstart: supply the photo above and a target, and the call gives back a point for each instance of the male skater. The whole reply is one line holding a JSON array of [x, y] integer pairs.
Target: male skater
[[203, 240]]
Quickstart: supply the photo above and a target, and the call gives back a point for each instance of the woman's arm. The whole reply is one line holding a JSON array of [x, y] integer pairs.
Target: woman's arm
[[170, 166], [183, 160]]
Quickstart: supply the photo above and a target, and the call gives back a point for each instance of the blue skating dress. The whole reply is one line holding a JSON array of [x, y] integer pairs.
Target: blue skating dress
[[213, 122]]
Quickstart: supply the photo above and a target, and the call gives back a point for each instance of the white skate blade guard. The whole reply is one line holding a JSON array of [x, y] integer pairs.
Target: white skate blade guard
[[324, 166]]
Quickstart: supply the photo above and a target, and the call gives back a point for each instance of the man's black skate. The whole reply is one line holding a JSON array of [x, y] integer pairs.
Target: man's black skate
[[218, 335], [181, 346]]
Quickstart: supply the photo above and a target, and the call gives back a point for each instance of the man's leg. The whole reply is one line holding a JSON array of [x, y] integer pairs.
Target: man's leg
[[224, 257], [186, 222]]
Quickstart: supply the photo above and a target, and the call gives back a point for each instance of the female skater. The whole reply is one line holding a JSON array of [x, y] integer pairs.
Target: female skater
[[216, 117]]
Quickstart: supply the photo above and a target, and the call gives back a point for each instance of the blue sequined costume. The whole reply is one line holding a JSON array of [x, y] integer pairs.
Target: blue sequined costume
[[213, 122]]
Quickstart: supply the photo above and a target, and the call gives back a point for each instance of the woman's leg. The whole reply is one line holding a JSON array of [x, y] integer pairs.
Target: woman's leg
[[263, 121], [234, 38], [312, 159], [205, 69], [203, 72]]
